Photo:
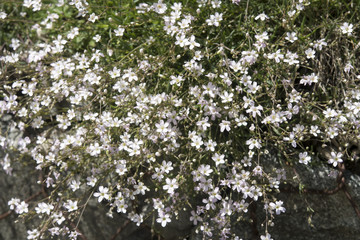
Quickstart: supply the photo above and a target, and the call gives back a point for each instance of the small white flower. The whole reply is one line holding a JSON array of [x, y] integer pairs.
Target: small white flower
[[348, 67], [335, 158], [162, 127], [102, 194], [3, 15], [193, 43], [164, 218], [44, 208], [291, 37], [277, 206], [171, 185], [215, 19], [97, 38], [347, 28], [304, 158], [93, 18], [71, 205], [226, 97], [159, 7], [140, 188], [252, 142], [182, 41], [33, 234], [197, 142], [310, 53], [224, 125], [119, 31], [13, 203], [314, 130], [218, 159], [262, 17], [266, 237], [22, 208]]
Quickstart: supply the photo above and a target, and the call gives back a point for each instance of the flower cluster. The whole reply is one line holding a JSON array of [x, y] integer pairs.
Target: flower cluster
[[174, 105]]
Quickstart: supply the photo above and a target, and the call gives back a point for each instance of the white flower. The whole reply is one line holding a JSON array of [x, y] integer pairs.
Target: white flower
[[214, 20], [94, 149], [74, 185], [197, 142], [73, 32], [34, 4], [214, 195], [73, 235], [308, 80], [171, 185], [54, 231], [348, 67], [335, 158], [159, 7], [91, 181], [195, 218], [15, 43], [44, 208], [93, 18], [210, 145], [33, 234], [181, 40], [219, 159], [332, 132], [254, 110], [22, 208], [291, 58], [166, 167], [119, 31], [291, 139], [314, 130], [130, 75], [205, 170], [310, 53], [266, 237], [3, 15], [236, 66], [346, 28], [13, 203], [102, 194], [276, 55], [140, 188], [164, 218], [226, 97], [257, 170], [162, 127], [277, 206], [192, 42], [71, 205], [291, 37], [121, 168], [176, 6], [176, 80], [262, 17], [304, 158], [224, 125], [319, 44], [97, 38], [184, 23], [252, 142]]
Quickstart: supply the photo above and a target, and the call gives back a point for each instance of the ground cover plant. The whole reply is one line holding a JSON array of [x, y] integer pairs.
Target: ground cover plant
[[175, 104]]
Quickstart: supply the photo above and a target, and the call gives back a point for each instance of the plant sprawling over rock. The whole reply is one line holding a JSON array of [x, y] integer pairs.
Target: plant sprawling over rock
[[174, 105]]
